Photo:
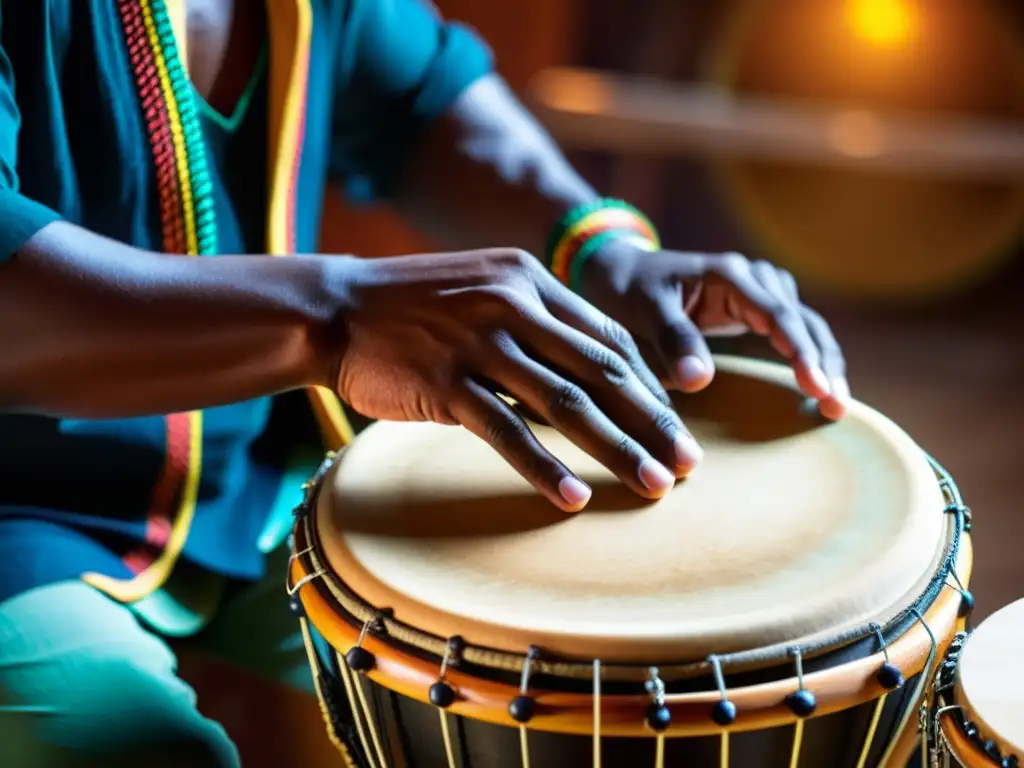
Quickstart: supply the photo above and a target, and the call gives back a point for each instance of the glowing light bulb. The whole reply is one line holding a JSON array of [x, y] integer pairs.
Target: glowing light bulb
[[882, 22]]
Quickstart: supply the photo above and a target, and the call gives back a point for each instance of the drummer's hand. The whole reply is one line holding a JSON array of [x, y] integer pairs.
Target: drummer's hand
[[671, 300], [434, 337]]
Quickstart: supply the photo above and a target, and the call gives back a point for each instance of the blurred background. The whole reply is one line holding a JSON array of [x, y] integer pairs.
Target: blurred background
[[872, 147], [875, 148]]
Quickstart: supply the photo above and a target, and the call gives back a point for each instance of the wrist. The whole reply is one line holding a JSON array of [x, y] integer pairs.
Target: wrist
[[332, 284], [592, 230]]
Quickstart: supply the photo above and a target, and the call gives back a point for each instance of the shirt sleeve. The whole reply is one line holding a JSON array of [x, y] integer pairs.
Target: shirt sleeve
[[400, 65], [20, 217]]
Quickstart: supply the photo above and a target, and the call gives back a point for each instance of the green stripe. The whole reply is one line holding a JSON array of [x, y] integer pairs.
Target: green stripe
[[195, 149]]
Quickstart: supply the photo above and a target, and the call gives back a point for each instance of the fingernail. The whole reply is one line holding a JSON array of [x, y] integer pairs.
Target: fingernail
[[820, 379], [688, 452], [691, 368], [841, 390], [655, 477], [575, 492]]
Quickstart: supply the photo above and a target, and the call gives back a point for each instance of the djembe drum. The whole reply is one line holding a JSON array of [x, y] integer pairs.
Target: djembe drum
[[783, 606], [978, 720]]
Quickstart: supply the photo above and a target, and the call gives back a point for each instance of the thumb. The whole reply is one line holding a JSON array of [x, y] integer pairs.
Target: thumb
[[681, 347]]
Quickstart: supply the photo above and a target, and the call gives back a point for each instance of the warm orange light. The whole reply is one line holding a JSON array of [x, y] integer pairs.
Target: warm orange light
[[882, 22]]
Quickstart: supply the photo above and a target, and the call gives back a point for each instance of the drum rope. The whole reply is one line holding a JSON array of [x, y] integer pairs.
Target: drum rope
[[798, 741], [750, 659], [318, 686], [524, 746], [798, 726], [659, 751], [315, 568], [446, 734], [522, 706], [872, 727], [597, 713], [371, 723], [917, 696], [724, 712], [346, 678]]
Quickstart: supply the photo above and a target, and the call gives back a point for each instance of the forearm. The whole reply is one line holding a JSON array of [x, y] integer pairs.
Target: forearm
[[489, 174], [90, 328]]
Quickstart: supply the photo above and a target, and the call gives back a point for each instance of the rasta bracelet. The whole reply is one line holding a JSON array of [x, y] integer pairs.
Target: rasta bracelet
[[584, 229]]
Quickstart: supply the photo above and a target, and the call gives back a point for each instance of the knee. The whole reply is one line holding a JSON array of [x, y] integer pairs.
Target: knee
[[119, 714], [102, 692]]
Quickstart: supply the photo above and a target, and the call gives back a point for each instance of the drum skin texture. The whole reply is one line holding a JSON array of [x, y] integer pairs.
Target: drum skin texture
[[988, 689], [807, 562]]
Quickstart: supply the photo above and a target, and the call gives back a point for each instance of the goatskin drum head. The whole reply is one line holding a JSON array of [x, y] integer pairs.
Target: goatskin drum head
[[990, 678], [791, 529]]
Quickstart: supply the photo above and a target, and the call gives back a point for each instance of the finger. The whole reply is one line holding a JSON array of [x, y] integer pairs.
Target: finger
[[614, 385], [570, 409], [681, 345], [784, 317], [771, 280], [576, 312], [495, 422], [832, 360], [834, 364]]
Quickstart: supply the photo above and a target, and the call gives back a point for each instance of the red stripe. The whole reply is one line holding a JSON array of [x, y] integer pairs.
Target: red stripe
[[158, 127]]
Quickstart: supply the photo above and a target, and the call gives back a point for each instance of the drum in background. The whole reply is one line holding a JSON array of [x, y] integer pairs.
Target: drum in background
[[978, 719], [782, 607]]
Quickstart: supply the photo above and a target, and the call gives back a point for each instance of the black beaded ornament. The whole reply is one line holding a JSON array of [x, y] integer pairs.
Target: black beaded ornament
[[442, 695], [966, 604], [359, 659], [658, 717], [890, 677], [802, 703], [295, 607], [521, 708], [724, 712]]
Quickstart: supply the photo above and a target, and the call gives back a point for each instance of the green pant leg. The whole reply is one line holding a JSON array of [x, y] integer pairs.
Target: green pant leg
[[84, 685]]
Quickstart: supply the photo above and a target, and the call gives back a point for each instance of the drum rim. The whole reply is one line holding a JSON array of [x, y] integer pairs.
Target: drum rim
[[308, 550], [616, 645], [758, 706]]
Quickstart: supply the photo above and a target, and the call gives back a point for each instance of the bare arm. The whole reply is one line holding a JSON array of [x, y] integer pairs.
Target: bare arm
[[91, 328], [489, 174]]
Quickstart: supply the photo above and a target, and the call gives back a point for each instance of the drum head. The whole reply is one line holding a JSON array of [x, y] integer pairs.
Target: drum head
[[791, 530], [990, 679]]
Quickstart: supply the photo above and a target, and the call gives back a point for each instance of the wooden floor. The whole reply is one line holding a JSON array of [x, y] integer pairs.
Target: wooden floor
[[953, 377]]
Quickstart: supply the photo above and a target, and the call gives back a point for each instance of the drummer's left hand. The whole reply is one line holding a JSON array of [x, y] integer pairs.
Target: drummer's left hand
[[670, 300]]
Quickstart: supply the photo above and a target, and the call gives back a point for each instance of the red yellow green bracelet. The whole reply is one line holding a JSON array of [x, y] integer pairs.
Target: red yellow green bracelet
[[582, 231]]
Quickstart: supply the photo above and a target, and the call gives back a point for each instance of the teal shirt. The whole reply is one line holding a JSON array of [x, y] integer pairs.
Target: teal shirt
[[73, 146]]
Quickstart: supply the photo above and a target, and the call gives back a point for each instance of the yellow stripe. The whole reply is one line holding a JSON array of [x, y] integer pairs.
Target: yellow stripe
[[156, 574], [177, 132], [723, 751], [291, 23]]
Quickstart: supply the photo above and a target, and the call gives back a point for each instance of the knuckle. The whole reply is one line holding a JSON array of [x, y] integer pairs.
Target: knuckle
[[613, 368], [733, 263], [566, 399], [505, 301], [502, 432], [616, 335], [667, 423], [520, 262], [626, 446]]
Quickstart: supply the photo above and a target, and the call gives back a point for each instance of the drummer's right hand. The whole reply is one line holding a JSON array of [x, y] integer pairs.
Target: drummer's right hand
[[437, 337]]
